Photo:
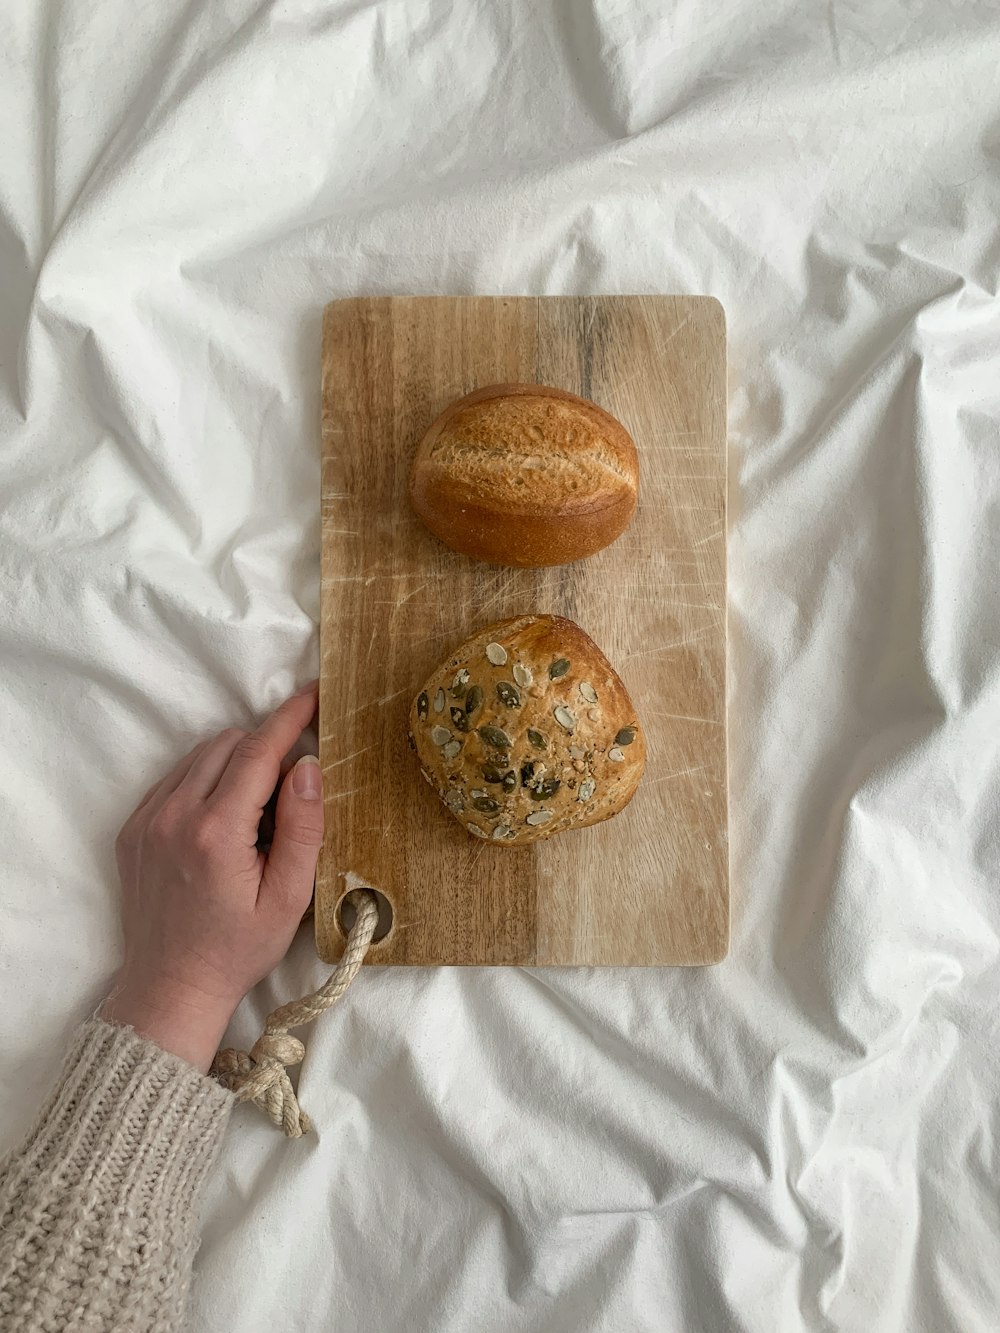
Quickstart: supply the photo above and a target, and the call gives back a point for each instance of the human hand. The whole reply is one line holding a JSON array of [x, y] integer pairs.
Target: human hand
[[206, 914]]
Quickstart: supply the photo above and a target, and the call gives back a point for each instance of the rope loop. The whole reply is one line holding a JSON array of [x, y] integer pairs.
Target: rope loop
[[261, 1076]]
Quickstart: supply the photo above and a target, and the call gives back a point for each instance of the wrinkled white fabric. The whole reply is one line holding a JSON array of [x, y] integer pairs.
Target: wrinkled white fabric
[[805, 1137]]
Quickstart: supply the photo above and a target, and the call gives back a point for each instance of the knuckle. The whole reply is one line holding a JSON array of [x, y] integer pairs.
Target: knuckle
[[304, 835], [163, 826], [252, 748], [232, 734], [207, 833]]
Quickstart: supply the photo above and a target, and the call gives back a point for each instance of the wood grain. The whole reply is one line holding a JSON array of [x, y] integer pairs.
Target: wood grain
[[652, 885]]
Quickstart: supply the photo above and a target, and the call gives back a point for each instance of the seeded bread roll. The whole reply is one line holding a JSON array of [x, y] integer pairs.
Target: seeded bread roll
[[525, 475], [527, 730]]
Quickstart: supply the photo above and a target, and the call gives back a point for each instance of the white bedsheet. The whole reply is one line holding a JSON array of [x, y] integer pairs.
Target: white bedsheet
[[805, 1137]]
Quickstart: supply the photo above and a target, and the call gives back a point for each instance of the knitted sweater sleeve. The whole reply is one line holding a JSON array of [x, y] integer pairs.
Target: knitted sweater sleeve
[[99, 1205]]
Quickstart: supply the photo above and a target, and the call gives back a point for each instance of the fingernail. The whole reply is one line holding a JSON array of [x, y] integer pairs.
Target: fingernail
[[307, 780], [308, 688]]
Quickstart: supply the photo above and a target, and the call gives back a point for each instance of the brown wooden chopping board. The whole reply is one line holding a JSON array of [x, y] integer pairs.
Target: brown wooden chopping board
[[650, 886]]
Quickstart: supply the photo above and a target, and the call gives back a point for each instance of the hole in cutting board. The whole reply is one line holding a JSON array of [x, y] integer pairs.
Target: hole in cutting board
[[346, 915]]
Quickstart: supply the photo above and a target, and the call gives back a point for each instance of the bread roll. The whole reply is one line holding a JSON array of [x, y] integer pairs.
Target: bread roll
[[525, 475], [527, 730]]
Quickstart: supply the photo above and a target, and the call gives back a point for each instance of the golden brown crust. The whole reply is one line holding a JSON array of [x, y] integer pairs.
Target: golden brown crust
[[527, 730], [525, 475]]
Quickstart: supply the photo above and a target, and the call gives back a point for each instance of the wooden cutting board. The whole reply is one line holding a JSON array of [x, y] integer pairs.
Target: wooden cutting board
[[650, 886]]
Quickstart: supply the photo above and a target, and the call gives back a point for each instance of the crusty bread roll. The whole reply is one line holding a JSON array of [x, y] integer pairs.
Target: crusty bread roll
[[525, 475], [527, 730]]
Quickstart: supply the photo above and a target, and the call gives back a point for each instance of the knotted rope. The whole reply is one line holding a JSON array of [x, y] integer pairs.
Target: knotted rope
[[261, 1076]]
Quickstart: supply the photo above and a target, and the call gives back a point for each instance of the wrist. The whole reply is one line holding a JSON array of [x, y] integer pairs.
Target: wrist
[[186, 1023]]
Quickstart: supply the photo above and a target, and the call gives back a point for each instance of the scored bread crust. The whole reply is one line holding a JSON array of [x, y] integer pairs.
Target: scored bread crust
[[542, 741], [525, 475]]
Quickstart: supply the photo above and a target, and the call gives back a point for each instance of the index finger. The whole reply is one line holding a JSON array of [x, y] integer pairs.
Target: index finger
[[253, 771]]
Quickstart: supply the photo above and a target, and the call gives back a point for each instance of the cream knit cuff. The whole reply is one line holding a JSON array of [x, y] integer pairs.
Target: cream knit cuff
[[99, 1206]]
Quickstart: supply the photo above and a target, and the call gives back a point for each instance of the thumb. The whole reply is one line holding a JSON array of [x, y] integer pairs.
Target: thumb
[[298, 835]]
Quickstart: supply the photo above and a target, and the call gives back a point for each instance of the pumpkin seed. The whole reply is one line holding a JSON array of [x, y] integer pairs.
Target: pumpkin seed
[[495, 737], [558, 668], [439, 702], [473, 699], [476, 792], [509, 780], [476, 831], [626, 736], [615, 755], [452, 750], [440, 735], [537, 739], [539, 817], [546, 788], [458, 685], [587, 789], [422, 705], [528, 774], [565, 718], [459, 719], [522, 675], [496, 653], [486, 804], [502, 831], [492, 774], [508, 695], [588, 692]]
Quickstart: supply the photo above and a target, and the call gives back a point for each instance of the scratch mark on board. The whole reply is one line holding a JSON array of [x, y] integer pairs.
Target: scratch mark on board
[[709, 537], [681, 773], [346, 759], [686, 717], [670, 647]]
